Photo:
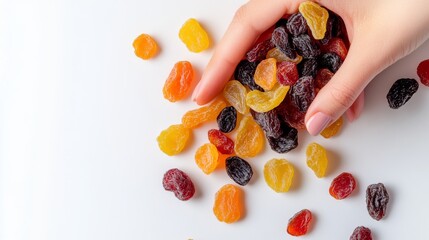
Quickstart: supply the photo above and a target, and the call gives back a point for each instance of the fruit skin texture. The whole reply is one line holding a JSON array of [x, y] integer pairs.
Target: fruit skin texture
[[278, 174], [342, 186], [173, 140], [423, 72], [145, 47], [179, 82], [300, 223], [222, 142], [401, 91], [266, 101], [377, 199], [361, 233], [227, 119], [333, 129], [239, 170], [194, 36], [229, 204], [266, 74], [178, 182], [317, 159], [235, 93], [250, 140], [206, 157], [316, 18], [196, 117]]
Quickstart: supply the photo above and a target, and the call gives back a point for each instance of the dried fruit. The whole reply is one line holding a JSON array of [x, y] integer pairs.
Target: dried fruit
[[235, 93], [280, 39], [280, 56], [196, 117], [173, 140], [305, 47], [285, 142], [332, 129], [342, 186], [317, 159], [300, 223], [266, 74], [269, 122], [178, 83], [227, 119], [308, 67], [401, 91], [303, 93], [287, 73], [266, 101], [229, 204], [258, 52], [194, 36], [296, 24], [322, 78], [316, 18], [179, 183], [377, 199], [361, 233], [249, 141], [278, 174], [423, 72], [223, 143], [289, 113], [206, 158], [239, 170], [337, 46], [145, 46], [331, 61], [244, 73]]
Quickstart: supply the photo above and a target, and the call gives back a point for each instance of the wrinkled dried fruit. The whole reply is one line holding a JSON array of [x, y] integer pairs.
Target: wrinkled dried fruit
[[244, 73], [194, 36], [377, 199], [361, 233], [145, 47], [330, 61], [316, 18], [278, 174], [289, 113], [281, 57], [303, 93], [305, 47], [229, 204], [308, 67], [317, 159], [266, 74], [206, 158], [337, 46], [285, 142], [401, 91], [296, 24], [266, 101], [239, 170], [227, 119], [322, 78], [280, 39], [287, 73], [196, 117], [258, 52], [332, 129], [250, 140], [423, 72], [223, 143], [178, 182], [173, 140], [342, 186], [179, 82], [235, 93], [269, 122], [300, 223]]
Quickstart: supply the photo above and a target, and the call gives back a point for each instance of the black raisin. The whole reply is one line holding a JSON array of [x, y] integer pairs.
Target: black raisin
[[401, 91], [238, 170], [259, 51], [377, 199], [280, 39], [285, 142], [303, 93], [227, 119], [296, 24], [269, 122], [305, 46], [308, 67], [330, 61]]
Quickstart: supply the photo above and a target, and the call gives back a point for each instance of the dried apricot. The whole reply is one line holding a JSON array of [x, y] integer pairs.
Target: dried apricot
[[206, 158], [332, 129], [179, 82], [145, 46], [266, 74], [229, 204]]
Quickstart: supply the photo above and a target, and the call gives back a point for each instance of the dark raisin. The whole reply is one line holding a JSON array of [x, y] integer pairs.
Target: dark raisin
[[281, 22], [178, 182], [289, 113], [259, 51], [269, 122], [239, 170], [361, 233], [330, 61], [285, 142], [377, 199], [296, 24], [227, 119], [333, 28], [401, 91], [303, 92], [308, 67], [305, 46], [244, 73], [280, 39]]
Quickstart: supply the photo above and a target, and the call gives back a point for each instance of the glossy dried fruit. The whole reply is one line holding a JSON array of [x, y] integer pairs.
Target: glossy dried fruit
[[194, 36], [179, 82], [300, 223], [145, 47], [228, 205], [296, 24], [331, 61], [286, 141], [342, 186], [250, 140], [303, 93], [239, 170], [206, 158], [337, 46], [269, 122], [278, 174], [259, 51], [317, 159], [266, 101], [308, 67], [377, 199], [316, 18], [361, 233], [333, 129], [227, 119], [322, 78], [287, 73], [179, 183], [244, 73], [423, 72], [281, 57], [173, 140], [280, 39], [222, 142], [196, 117], [266, 74], [235, 93], [305, 46], [401, 91]]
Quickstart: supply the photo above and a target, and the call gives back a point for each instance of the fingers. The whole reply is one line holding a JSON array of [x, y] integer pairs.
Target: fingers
[[356, 109], [248, 23]]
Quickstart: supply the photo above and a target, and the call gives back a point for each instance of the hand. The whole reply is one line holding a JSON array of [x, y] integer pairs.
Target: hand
[[380, 33]]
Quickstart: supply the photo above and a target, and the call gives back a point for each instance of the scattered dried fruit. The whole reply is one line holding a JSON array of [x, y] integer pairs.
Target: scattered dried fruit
[[239, 170], [179, 183], [300, 223], [206, 158], [377, 199], [178, 84], [317, 159], [342, 186], [196, 117], [227, 119], [222, 142], [229, 204], [361, 233], [173, 140], [250, 140], [332, 129], [145, 47], [401, 91], [278, 174], [423, 72], [194, 36]]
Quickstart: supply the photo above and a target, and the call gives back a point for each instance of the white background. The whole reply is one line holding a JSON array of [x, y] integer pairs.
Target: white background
[[80, 113]]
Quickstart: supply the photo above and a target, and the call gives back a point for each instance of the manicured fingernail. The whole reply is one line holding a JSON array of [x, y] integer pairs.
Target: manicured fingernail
[[196, 92], [317, 123]]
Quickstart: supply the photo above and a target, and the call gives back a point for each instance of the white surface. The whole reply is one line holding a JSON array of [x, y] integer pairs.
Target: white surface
[[79, 115]]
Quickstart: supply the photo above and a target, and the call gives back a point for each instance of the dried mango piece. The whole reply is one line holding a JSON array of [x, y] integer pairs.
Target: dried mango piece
[[179, 82], [266, 74], [332, 129], [278, 174], [317, 159], [194, 36], [173, 139], [229, 204], [266, 101], [250, 139], [145, 46], [196, 117], [235, 93], [206, 158], [316, 18]]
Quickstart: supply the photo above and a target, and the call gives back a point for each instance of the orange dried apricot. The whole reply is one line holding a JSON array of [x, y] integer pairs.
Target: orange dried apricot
[[179, 82], [196, 117], [229, 204], [266, 74], [206, 157], [145, 46]]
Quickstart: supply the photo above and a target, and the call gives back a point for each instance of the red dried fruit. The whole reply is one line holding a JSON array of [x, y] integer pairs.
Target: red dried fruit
[[287, 73], [377, 199], [178, 182], [300, 223], [342, 186], [223, 143], [361, 233], [289, 113], [322, 78], [423, 72], [337, 46]]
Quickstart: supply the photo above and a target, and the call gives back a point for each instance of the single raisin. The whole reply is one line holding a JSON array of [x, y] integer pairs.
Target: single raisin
[[206, 158], [194, 36], [330, 61], [235, 93], [287, 73], [423, 72], [174, 139], [249, 140], [316, 17], [280, 39], [361, 233], [266, 101], [223, 143], [266, 74], [239, 170], [322, 78], [179, 183], [300, 223], [227, 119], [303, 92], [269, 122], [228, 206], [179, 82], [401, 91], [259, 51], [244, 73], [285, 142], [308, 67], [317, 159], [377, 199], [145, 47], [342, 186], [296, 24], [305, 46], [278, 174]]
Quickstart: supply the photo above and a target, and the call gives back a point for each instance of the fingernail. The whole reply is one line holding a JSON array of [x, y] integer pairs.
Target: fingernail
[[196, 92], [317, 123]]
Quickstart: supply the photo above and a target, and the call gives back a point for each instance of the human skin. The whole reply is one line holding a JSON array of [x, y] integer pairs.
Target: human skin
[[380, 32]]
